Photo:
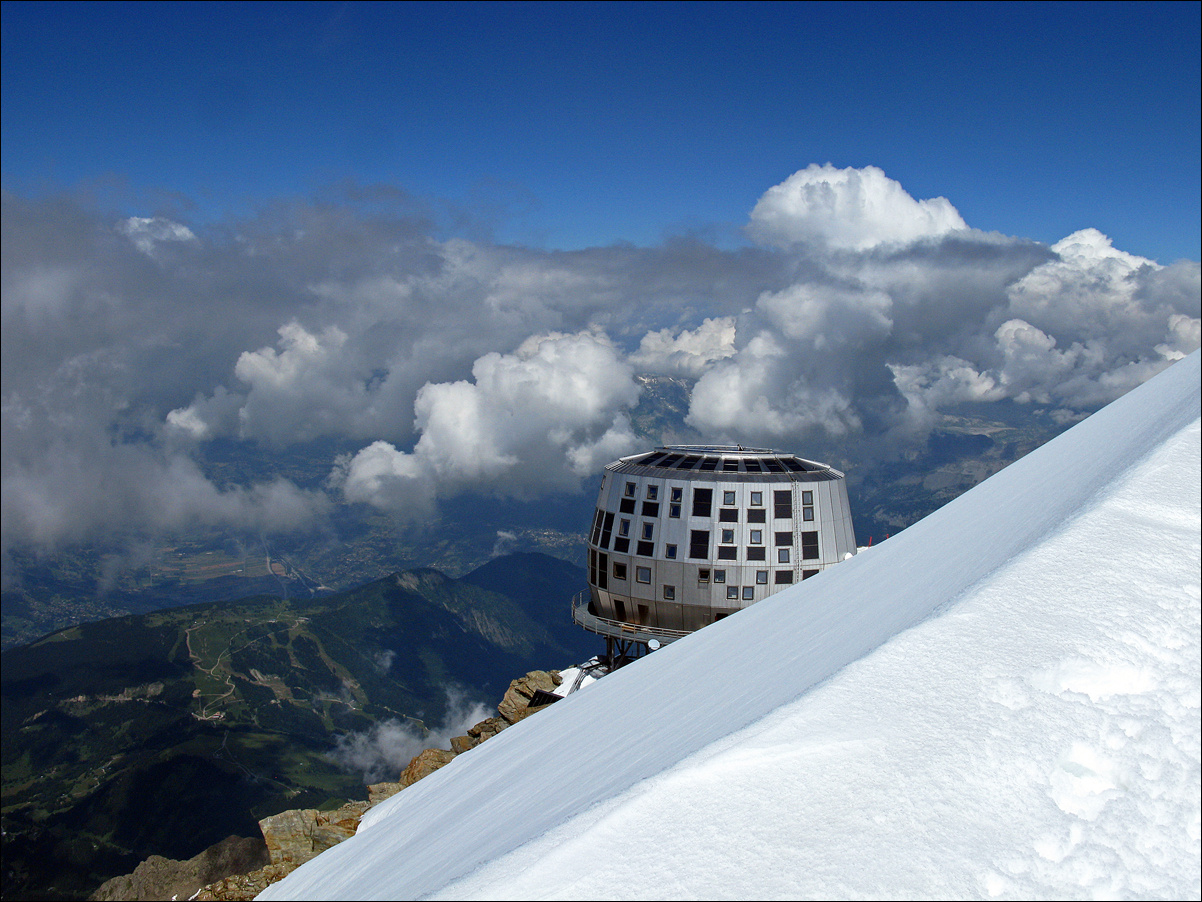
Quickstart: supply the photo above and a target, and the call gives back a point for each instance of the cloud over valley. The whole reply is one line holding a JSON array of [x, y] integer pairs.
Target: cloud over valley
[[439, 366]]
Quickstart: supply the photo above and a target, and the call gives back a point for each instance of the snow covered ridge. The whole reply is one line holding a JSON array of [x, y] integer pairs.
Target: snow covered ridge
[[1002, 700]]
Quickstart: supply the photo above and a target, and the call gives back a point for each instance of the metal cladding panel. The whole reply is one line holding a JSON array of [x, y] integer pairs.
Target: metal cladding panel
[[698, 602]]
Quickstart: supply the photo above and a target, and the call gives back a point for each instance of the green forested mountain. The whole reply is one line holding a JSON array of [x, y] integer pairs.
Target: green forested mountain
[[162, 733]]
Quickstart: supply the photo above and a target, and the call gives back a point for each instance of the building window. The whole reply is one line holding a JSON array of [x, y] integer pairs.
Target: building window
[[732, 592], [784, 538], [677, 494], [728, 498], [807, 513], [809, 546], [607, 528], [652, 493], [703, 499], [782, 555], [622, 546], [699, 543], [784, 577], [728, 515], [761, 577], [782, 503], [757, 537], [757, 554], [648, 530], [598, 519], [642, 575], [757, 515], [719, 576], [757, 499], [619, 570], [669, 593], [645, 549], [727, 553], [626, 505], [728, 537], [703, 575], [749, 593], [806, 574], [650, 508], [807, 497], [623, 527], [630, 490], [670, 552], [674, 511]]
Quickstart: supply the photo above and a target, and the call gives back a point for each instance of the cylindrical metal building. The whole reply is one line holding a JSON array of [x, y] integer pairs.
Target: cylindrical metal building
[[686, 534]]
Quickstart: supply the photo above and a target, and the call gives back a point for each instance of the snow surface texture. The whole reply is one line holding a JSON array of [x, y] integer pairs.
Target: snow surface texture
[[1002, 700]]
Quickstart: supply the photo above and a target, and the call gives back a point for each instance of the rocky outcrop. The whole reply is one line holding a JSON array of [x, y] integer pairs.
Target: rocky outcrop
[[293, 837], [162, 878]]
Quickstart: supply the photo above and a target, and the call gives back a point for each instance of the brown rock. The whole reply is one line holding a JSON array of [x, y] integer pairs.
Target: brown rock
[[486, 729], [461, 744], [243, 887], [162, 878], [378, 792], [293, 837], [424, 764], [514, 706]]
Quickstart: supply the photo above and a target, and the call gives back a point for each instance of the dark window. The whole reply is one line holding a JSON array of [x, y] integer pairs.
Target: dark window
[[727, 552], [703, 575], [650, 508], [620, 609], [806, 574], [626, 505], [670, 552], [710, 463], [772, 465], [757, 515], [732, 592], [669, 593], [751, 466], [644, 613], [677, 493], [623, 527], [607, 529], [648, 530], [784, 538], [598, 517], [622, 546], [784, 577], [602, 570], [645, 549], [728, 515], [702, 500], [719, 576], [728, 537], [674, 511], [783, 503], [699, 543], [757, 554], [630, 490], [619, 570], [652, 493], [809, 546], [730, 466]]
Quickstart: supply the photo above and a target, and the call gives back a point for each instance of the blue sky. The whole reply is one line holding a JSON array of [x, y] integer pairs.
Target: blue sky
[[573, 125]]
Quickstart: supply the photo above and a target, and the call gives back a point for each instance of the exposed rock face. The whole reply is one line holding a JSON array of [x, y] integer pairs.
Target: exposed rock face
[[162, 878], [293, 837]]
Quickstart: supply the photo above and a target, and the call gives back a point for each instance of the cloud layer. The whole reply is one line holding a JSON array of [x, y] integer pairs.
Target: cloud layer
[[452, 366]]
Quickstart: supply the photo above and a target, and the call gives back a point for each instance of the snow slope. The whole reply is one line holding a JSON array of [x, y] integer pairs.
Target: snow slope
[[1002, 700]]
